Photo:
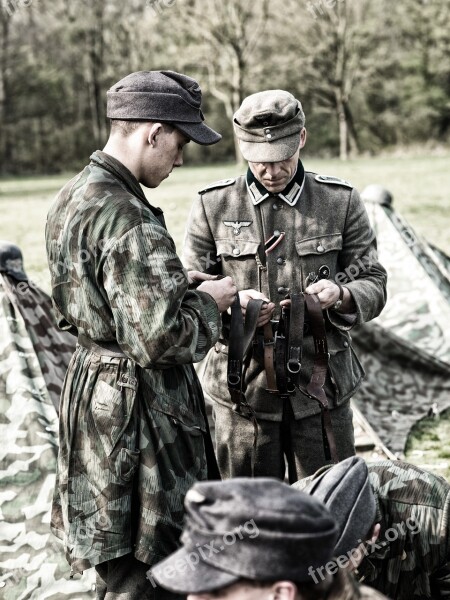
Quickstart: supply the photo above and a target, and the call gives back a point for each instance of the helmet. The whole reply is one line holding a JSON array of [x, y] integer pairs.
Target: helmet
[[11, 261], [377, 194]]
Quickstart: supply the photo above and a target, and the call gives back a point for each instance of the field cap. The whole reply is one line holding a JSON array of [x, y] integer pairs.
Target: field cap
[[259, 529], [267, 126], [11, 261], [345, 489], [164, 96]]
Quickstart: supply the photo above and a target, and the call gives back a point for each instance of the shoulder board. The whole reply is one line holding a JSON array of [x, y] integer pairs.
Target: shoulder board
[[217, 184], [334, 180]]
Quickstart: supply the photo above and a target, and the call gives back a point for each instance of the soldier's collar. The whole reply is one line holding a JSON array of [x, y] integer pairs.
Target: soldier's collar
[[290, 194], [114, 166]]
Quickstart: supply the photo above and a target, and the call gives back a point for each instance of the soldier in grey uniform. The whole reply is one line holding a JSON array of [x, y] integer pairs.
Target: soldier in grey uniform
[[255, 539], [274, 230]]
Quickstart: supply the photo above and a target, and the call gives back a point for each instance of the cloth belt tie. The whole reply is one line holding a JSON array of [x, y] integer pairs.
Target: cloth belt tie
[[113, 350]]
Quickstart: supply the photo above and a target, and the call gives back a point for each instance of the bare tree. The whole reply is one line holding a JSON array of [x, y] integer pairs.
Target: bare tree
[[335, 49], [223, 40]]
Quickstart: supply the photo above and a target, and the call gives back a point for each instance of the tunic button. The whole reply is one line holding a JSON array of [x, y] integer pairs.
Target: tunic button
[[276, 233], [280, 260], [345, 344], [320, 248], [269, 136], [275, 206], [236, 251]]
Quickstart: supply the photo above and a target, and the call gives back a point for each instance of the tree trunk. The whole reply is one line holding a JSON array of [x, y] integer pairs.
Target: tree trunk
[[343, 129], [4, 91]]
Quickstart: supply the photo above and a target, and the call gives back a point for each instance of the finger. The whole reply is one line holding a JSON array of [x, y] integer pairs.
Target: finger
[[285, 303]]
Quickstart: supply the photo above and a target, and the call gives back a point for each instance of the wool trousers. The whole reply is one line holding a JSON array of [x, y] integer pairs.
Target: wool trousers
[[287, 449]]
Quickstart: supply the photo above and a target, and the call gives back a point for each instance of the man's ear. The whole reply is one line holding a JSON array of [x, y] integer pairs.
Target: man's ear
[[283, 590], [153, 133], [303, 137]]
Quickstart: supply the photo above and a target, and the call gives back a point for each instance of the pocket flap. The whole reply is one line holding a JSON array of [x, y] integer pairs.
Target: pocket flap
[[237, 248], [319, 244]]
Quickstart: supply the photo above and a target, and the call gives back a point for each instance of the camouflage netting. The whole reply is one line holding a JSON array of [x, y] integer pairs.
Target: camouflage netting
[[33, 359], [406, 350]]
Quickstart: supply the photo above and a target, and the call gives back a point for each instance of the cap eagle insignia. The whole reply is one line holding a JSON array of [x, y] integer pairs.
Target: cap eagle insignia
[[236, 225]]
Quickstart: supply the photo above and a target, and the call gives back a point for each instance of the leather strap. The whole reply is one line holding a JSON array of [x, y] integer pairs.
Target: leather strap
[[281, 353], [239, 356], [269, 345], [235, 353], [319, 373], [296, 329]]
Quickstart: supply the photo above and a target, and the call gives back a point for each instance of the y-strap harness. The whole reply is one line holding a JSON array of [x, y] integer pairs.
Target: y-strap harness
[[282, 358]]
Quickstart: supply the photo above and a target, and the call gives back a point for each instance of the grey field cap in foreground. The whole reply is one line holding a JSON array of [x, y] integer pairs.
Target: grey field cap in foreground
[[259, 529]]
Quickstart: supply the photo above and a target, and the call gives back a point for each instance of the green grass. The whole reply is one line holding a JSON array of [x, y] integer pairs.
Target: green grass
[[420, 186]]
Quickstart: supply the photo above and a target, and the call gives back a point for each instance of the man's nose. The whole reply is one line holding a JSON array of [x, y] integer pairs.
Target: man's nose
[[272, 169], [179, 160]]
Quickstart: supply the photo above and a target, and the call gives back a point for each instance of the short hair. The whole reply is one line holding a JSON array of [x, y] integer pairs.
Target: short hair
[[307, 590], [126, 128]]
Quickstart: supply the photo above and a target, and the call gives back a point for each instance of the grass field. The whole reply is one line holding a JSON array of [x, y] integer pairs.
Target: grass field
[[420, 186]]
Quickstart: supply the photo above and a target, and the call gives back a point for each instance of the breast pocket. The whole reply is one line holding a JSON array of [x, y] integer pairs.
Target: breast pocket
[[319, 257], [238, 259]]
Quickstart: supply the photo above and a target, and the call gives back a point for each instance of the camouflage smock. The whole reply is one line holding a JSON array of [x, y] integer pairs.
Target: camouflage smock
[[131, 428], [410, 560], [411, 557]]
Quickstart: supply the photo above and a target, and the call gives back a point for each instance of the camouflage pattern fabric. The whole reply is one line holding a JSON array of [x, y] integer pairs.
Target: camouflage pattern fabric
[[411, 558], [406, 350], [418, 307], [52, 346], [413, 507], [402, 385], [32, 565], [131, 427]]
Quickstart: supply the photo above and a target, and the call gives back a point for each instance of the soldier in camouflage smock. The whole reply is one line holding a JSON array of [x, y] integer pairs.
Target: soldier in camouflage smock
[[276, 230], [132, 427], [408, 557]]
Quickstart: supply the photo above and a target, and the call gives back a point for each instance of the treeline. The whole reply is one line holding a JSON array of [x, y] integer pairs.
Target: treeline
[[371, 74]]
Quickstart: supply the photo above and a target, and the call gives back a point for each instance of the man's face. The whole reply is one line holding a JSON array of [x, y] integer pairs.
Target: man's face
[[237, 591], [163, 156], [275, 176]]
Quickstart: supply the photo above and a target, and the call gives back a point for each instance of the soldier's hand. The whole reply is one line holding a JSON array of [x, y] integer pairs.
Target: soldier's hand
[[222, 290], [266, 310], [328, 293]]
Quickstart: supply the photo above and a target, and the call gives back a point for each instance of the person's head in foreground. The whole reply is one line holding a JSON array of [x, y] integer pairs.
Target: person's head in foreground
[[346, 491], [270, 128], [250, 539], [154, 114]]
